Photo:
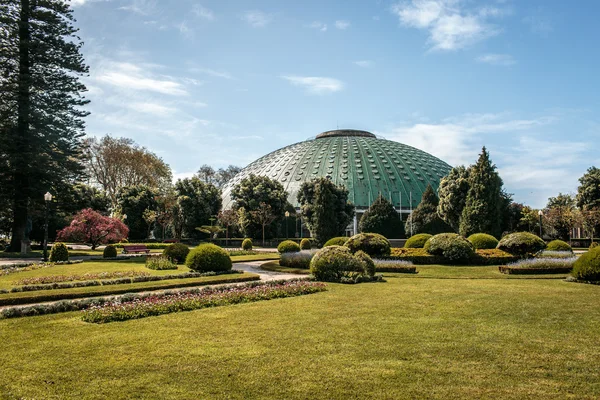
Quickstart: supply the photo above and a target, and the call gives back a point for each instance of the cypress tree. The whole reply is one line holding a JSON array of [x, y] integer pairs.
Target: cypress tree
[[452, 194], [383, 219], [40, 104], [424, 218]]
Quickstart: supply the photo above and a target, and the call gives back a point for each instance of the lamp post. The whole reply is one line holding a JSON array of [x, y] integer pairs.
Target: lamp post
[[540, 213], [287, 215], [48, 199]]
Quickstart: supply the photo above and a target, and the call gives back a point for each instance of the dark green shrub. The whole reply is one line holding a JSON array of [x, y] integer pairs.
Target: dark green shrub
[[331, 263], [367, 262], [587, 266], [451, 246], [336, 241], [160, 262], [110, 251], [417, 241], [374, 244], [521, 243], [483, 241], [247, 244], [558, 245], [177, 252], [208, 257], [288, 246], [59, 252], [305, 244]]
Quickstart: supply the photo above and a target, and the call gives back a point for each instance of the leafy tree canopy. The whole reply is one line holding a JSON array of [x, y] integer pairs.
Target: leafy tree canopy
[[199, 202], [588, 193], [382, 218]]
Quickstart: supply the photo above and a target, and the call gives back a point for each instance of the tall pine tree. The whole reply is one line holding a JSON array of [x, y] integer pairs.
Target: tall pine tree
[[382, 218], [424, 218], [41, 104]]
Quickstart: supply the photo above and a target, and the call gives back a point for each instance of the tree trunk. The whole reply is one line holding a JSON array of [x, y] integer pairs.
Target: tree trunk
[[263, 243]]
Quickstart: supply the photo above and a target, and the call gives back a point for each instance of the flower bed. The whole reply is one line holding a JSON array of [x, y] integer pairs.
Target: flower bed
[[14, 268], [158, 304], [40, 280], [539, 266], [555, 254], [398, 266]]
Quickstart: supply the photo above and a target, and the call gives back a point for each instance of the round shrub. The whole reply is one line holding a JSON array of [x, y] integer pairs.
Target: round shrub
[[336, 241], [59, 252], [208, 257], [288, 246], [483, 241], [247, 244], [305, 244], [373, 244], [451, 246], [559, 245], [176, 252], [417, 241], [366, 261], [587, 266], [110, 251], [521, 243], [330, 263]]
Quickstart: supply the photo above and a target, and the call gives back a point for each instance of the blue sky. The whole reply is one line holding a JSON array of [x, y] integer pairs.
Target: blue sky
[[225, 82]]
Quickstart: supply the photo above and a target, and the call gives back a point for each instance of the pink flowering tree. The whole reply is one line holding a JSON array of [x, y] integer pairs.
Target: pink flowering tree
[[89, 226]]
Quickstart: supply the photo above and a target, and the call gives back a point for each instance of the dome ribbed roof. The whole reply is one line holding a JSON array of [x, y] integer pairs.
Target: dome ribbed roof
[[364, 164]]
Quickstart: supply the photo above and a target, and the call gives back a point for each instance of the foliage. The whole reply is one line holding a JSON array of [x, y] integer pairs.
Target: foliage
[[300, 259], [559, 245], [521, 243], [452, 194], [219, 178], [367, 262], [588, 192], [59, 252], [41, 280], [177, 252], [417, 241], [199, 202], [331, 264], [135, 201], [483, 241], [382, 218], [89, 226], [554, 254], [560, 216], [109, 251], [451, 246], [229, 219], [594, 245], [160, 263], [208, 257], [325, 208], [288, 246], [263, 216], [305, 244], [247, 244], [530, 221], [374, 244], [424, 218], [587, 266], [336, 241], [396, 266], [540, 265]]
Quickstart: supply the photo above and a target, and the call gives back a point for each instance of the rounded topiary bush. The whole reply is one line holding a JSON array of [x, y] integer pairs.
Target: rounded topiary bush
[[110, 251], [305, 244], [247, 245], [208, 257], [559, 245], [331, 263], [288, 246], [176, 252], [451, 246], [374, 244], [483, 241], [366, 261], [521, 243], [59, 252], [417, 241], [587, 266], [336, 241]]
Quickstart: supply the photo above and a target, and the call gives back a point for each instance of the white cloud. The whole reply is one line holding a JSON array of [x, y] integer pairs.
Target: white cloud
[[341, 24], [131, 77], [203, 12], [450, 26], [257, 19], [318, 25], [182, 175], [142, 7], [364, 63], [497, 59], [152, 108], [316, 84], [212, 72]]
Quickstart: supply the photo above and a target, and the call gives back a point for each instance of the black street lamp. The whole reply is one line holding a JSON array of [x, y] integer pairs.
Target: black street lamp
[[540, 213], [48, 199]]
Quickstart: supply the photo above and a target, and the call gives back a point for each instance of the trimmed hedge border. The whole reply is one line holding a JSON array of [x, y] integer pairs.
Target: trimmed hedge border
[[505, 269], [398, 269], [421, 257]]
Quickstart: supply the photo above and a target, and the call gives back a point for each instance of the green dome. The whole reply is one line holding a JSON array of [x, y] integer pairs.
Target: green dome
[[364, 164]]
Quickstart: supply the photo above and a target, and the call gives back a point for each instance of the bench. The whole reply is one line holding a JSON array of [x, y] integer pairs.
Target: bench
[[136, 249]]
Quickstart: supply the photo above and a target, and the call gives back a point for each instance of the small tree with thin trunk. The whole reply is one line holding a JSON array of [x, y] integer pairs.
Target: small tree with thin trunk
[[228, 218], [264, 216], [89, 226]]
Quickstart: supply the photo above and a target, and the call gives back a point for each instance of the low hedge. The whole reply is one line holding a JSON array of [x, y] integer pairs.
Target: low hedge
[[521, 243], [492, 257], [149, 246], [336, 241], [451, 246], [208, 257], [374, 244], [587, 266], [288, 246], [396, 266], [417, 241], [481, 241], [558, 245], [177, 252], [422, 257]]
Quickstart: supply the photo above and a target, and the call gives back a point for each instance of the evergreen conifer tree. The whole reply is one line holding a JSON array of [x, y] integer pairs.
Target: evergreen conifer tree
[[424, 218], [383, 219], [452, 194]]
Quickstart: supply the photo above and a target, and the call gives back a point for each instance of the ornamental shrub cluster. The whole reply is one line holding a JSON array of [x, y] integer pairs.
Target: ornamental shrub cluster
[[110, 251], [177, 252], [521, 243], [208, 257], [587, 266], [336, 241], [374, 244], [559, 245], [451, 246], [417, 241], [483, 241], [305, 244], [59, 252], [247, 244], [338, 264], [160, 263], [288, 246]]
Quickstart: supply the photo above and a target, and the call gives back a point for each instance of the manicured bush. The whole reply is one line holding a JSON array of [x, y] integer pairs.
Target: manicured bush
[[110, 251], [417, 241], [492, 257], [336, 241], [288, 246], [367, 262], [300, 259], [521, 243], [160, 263], [558, 245], [331, 263], [247, 244], [374, 244], [305, 244], [483, 241], [587, 266], [59, 252], [451, 246], [177, 252], [208, 257]]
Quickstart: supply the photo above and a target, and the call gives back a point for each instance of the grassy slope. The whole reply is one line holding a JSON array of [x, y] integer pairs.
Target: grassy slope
[[406, 338]]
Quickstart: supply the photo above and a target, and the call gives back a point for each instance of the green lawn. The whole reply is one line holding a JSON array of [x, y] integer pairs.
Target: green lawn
[[411, 337]]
